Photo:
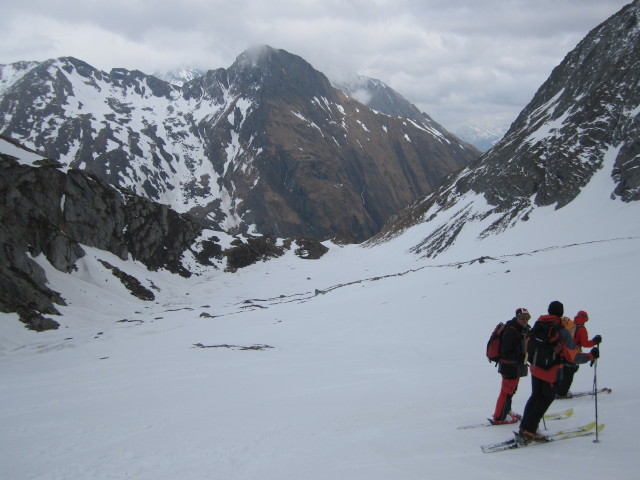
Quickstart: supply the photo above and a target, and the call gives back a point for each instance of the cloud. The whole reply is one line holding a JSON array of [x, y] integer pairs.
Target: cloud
[[462, 62]]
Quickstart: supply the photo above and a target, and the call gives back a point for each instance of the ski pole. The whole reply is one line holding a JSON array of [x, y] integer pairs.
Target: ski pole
[[595, 394]]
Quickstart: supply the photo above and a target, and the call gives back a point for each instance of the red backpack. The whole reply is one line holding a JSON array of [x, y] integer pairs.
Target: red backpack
[[493, 345]]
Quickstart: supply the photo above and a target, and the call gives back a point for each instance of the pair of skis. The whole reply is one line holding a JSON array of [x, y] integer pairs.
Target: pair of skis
[[585, 394], [549, 416], [592, 428], [517, 442]]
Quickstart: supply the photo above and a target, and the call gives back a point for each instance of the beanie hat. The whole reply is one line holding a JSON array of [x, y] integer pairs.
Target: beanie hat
[[581, 317], [556, 308], [524, 312]]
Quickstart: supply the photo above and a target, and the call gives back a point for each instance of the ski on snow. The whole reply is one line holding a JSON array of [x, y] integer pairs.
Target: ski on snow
[[549, 416], [583, 431], [584, 394]]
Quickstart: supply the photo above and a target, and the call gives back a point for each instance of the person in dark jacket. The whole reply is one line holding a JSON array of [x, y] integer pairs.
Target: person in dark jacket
[[512, 365], [544, 382]]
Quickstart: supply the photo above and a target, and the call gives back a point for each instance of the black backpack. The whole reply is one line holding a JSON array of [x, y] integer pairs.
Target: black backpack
[[544, 345]]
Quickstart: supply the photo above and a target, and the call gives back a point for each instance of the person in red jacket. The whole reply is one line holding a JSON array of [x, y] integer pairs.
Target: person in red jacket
[[544, 382], [512, 366], [580, 339]]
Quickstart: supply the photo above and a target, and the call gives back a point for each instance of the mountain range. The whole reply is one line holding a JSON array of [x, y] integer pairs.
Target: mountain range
[[382, 98], [266, 146], [376, 95]]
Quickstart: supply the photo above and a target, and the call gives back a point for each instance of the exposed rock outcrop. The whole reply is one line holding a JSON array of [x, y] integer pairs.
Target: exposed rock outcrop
[[44, 211], [47, 212]]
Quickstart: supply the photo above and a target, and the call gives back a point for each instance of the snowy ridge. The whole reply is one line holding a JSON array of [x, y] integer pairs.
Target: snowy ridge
[[381, 98], [140, 116], [576, 138], [10, 74], [469, 218]]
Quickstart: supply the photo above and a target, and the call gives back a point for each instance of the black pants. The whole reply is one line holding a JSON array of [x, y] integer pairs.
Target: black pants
[[542, 395], [568, 371]]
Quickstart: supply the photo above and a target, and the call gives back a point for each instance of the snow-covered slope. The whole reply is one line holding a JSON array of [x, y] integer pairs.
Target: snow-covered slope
[[359, 365]]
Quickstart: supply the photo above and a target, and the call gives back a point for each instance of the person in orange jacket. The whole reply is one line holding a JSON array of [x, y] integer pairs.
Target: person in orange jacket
[[544, 382], [580, 339]]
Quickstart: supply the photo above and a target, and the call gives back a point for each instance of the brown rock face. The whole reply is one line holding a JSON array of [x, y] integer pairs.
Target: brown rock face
[[322, 163]]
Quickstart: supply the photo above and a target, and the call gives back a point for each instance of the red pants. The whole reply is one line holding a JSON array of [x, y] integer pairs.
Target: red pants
[[503, 405]]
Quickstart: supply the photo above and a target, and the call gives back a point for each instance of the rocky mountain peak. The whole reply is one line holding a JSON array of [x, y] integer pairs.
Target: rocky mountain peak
[[588, 103], [278, 73], [587, 111], [258, 57]]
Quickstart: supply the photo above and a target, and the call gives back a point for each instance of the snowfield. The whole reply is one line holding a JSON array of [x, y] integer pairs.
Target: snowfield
[[360, 365]]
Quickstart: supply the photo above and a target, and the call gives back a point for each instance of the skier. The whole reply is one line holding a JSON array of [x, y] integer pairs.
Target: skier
[[580, 339], [544, 382], [512, 365]]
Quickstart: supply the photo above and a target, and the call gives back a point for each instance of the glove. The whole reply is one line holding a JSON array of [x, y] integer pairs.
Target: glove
[[597, 339], [595, 354]]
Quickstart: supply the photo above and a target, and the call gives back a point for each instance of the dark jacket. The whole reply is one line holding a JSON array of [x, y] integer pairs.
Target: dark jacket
[[569, 354], [512, 350]]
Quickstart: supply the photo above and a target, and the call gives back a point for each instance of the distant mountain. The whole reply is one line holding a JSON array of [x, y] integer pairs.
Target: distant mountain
[[267, 145], [481, 138], [180, 76], [583, 119], [380, 97]]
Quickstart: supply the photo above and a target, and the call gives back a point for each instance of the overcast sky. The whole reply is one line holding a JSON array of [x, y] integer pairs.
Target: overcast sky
[[475, 62]]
